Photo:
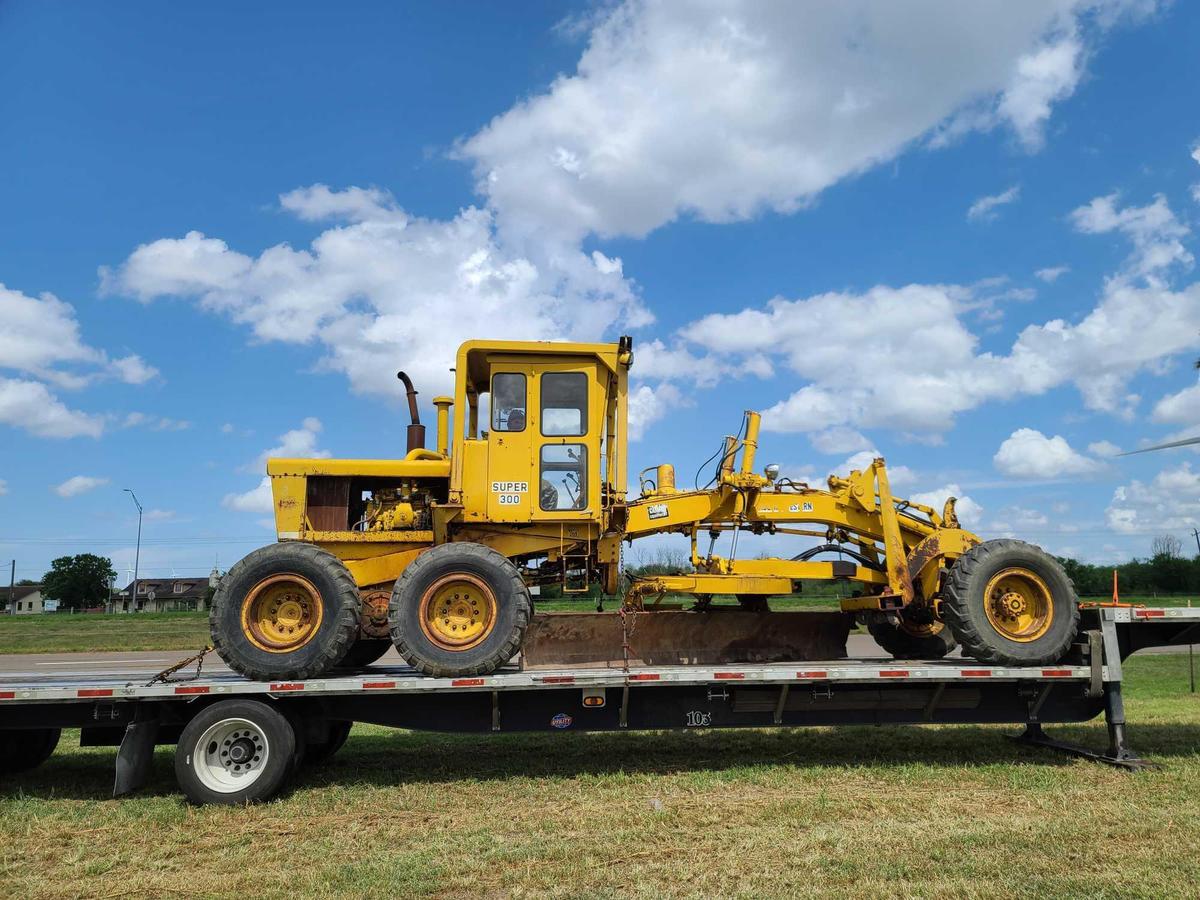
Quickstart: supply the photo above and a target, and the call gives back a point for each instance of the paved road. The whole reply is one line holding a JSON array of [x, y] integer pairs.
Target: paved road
[[74, 665]]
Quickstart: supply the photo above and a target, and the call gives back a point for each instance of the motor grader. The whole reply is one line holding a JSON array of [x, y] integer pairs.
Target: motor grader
[[436, 551]]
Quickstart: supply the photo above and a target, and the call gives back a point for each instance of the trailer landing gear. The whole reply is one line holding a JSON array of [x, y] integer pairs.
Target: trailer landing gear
[[1118, 753]]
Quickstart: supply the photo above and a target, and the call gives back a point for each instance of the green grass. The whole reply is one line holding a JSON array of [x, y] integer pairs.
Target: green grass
[[64, 633], [875, 812]]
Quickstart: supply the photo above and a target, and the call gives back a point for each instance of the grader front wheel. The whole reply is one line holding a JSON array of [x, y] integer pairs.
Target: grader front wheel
[[1010, 603], [906, 639]]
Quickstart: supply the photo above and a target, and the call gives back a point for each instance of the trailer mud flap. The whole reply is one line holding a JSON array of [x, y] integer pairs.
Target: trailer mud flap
[[683, 638], [134, 756]]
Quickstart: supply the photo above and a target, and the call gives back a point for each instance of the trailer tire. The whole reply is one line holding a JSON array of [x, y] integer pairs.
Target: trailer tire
[[317, 752], [26, 748], [365, 651], [902, 642], [1010, 603], [323, 594], [483, 629], [235, 752]]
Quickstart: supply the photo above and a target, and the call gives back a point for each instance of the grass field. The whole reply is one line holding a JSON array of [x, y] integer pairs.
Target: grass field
[[60, 633], [935, 811]]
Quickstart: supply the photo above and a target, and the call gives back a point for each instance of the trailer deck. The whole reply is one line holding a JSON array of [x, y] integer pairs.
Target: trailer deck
[[137, 713]]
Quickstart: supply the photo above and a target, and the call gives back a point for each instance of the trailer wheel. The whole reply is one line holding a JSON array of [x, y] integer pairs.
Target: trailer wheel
[[285, 611], [1010, 603], [459, 609], [317, 752], [26, 748], [910, 640], [364, 652], [234, 752]]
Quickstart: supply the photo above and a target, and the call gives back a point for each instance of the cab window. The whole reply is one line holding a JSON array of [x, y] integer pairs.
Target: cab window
[[508, 402], [563, 477], [564, 403]]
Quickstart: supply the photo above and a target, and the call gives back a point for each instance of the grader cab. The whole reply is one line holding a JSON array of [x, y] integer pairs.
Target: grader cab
[[436, 551]]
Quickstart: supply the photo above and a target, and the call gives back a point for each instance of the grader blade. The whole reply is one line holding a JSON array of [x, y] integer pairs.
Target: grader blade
[[682, 638]]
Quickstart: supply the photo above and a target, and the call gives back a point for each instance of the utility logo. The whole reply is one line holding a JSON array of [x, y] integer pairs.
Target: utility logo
[[562, 720]]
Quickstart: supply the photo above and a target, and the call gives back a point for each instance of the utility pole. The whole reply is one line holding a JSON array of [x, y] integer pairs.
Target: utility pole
[[1196, 535], [137, 553], [12, 590]]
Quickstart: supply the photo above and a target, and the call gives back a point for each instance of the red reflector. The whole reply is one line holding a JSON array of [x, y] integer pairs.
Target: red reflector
[[645, 676], [1055, 673], [467, 682], [725, 676], [819, 673], [976, 673], [94, 692], [378, 685], [558, 679], [1149, 613], [893, 673], [192, 689], [287, 686], [7, 695]]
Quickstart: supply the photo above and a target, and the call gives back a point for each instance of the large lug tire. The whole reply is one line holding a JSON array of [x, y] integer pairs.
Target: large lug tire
[[904, 640], [753, 603], [26, 748], [459, 609], [285, 611], [364, 652], [1010, 603], [235, 752]]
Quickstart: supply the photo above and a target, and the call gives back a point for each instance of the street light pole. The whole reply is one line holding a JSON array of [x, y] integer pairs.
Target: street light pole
[[137, 553]]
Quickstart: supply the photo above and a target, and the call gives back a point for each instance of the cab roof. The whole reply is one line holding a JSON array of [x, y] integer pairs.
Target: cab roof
[[473, 355]]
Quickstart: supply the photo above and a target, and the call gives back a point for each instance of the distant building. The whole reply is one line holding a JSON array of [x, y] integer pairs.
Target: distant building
[[165, 594], [26, 598]]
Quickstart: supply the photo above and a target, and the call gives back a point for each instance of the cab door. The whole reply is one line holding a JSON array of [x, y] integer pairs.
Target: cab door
[[567, 457], [511, 493]]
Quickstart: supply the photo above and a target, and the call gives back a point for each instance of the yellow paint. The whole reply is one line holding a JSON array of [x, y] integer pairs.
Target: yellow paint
[[282, 613], [1018, 605], [514, 489]]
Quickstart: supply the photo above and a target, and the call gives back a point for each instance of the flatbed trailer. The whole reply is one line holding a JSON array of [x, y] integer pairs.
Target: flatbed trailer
[[240, 740]]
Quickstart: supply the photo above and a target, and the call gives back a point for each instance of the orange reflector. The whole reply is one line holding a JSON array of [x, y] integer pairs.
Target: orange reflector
[[1055, 673], [893, 673], [287, 686], [192, 689], [976, 673], [467, 682]]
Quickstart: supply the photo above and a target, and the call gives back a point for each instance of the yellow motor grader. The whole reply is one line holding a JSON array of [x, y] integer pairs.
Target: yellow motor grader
[[436, 551]]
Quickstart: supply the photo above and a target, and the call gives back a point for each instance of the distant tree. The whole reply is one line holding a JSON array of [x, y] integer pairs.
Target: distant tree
[[1166, 545], [78, 582], [25, 581]]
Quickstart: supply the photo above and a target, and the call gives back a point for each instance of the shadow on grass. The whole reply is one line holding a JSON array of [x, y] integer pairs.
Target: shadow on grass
[[389, 758]]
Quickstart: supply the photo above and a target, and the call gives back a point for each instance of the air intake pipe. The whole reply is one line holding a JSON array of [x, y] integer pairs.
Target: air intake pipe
[[416, 431]]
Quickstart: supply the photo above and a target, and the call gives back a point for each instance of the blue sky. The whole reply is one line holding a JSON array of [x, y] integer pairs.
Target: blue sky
[[223, 228]]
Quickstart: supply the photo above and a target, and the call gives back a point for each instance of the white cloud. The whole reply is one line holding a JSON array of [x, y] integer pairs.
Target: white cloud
[[1171, 502], [1027, 453], [298, 443], [133, 369], [31, 406], [1157, 235], [387, 290], [1103, 448], [256, 500], [1182, 408], [1133, 327], [647, 405], [1051, 274], [154, 423], [984, 209], [79, 484], [760, 105], [969, 512], [227, 428], [839, 439]]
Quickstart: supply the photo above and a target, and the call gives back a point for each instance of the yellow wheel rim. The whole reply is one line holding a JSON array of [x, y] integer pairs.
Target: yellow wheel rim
[[458, 612], [1018, 605], [282, 613]]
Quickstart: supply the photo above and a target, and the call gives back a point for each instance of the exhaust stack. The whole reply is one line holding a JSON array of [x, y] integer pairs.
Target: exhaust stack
[[416, 431]]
